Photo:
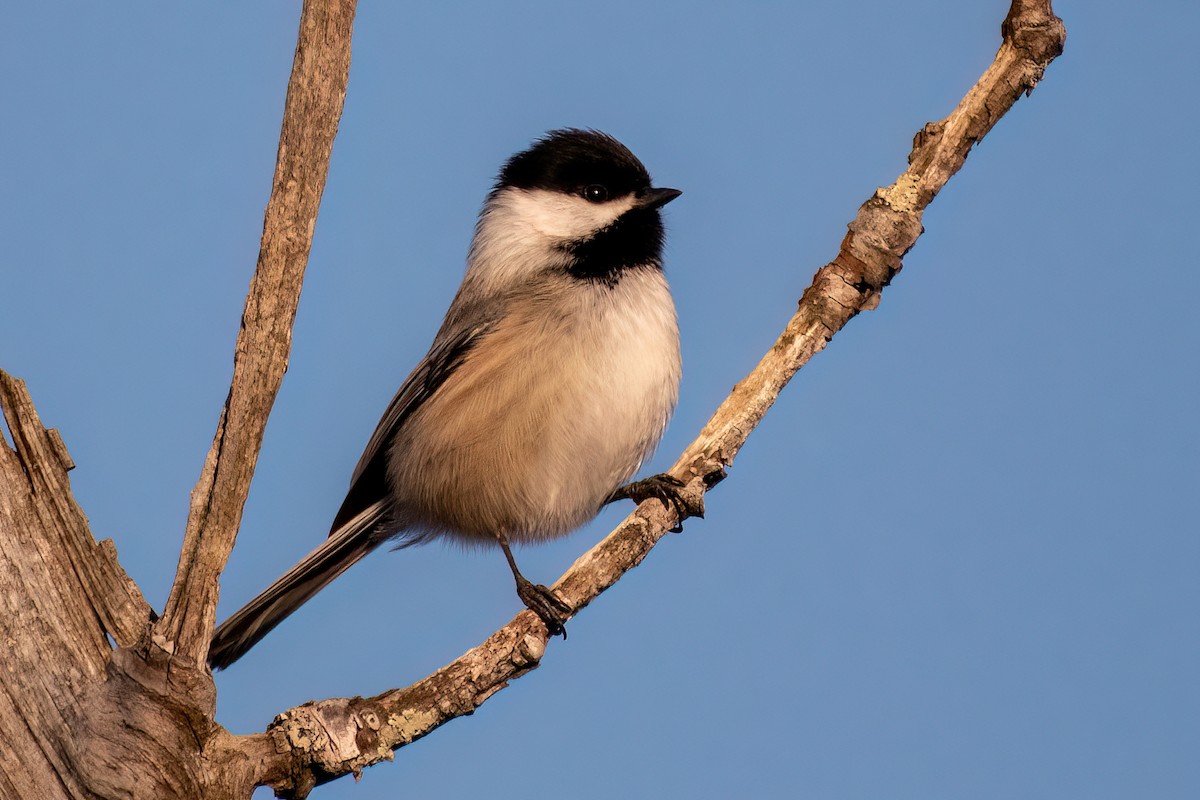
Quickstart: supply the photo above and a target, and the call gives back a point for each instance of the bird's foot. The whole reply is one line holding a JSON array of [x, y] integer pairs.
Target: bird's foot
[[667, 490], [546, 604]]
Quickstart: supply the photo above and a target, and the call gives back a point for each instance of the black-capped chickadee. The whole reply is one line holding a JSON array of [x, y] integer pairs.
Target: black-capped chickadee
[[551, 379]]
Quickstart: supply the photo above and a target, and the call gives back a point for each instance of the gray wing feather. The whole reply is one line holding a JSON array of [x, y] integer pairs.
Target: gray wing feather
[[368, 484], [446, 354]]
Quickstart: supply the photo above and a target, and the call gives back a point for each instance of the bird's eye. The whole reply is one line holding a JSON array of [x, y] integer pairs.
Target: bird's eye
[[595, 193]]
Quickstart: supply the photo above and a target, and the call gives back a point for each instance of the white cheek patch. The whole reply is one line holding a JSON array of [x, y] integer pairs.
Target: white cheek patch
[[522, 232], [563, 217]]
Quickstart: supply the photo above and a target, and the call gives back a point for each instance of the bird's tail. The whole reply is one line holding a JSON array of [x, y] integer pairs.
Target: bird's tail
[[256, 619]]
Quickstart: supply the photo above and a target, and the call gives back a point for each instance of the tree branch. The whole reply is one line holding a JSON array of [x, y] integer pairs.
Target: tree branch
[[886, 228], [330, 738], [315, 96]]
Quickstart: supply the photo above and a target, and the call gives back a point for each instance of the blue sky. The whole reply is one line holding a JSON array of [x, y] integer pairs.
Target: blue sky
[[958, 559]]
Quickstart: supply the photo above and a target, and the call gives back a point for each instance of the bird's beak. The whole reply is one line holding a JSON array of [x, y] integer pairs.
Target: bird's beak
[[656, 198]]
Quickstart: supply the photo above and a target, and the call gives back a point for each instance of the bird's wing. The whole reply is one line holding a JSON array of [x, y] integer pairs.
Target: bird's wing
[[369, 482]]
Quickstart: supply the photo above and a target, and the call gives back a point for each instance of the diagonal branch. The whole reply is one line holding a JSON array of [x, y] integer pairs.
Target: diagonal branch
[[330, 738], [885, 229], [315, 95]]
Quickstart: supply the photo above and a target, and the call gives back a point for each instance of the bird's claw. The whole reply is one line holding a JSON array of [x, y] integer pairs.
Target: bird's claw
[[542, 601], [666, 489]]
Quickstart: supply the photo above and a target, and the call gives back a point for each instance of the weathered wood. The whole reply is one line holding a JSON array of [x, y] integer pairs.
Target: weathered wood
[[78, 718], [316, 93], [61, 593]]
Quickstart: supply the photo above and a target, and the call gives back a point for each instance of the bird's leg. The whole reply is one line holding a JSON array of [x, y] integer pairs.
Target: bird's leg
[[664, 488], [537, 598]]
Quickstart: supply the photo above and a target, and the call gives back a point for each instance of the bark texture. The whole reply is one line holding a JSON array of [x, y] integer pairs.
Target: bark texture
[[99, 698], [316, 93], [61, 593]]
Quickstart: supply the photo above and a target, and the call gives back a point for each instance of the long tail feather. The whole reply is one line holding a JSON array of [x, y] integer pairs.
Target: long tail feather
[[256, 619]]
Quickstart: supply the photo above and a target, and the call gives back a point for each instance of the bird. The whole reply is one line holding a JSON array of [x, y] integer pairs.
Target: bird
[[550, 381]]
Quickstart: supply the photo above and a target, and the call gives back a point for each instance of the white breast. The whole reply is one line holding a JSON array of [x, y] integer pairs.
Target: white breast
[[551, 412]]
